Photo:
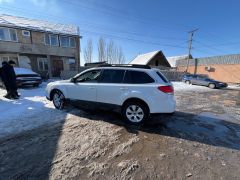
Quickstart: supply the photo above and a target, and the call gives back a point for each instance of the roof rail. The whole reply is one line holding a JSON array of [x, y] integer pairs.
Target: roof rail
[[126, 65]]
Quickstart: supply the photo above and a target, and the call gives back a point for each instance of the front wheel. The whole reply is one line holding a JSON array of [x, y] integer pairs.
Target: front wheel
[[58, 99], [135, 112], [212, 86], [187, 82]]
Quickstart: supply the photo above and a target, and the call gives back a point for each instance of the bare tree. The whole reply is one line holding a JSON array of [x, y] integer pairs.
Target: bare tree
[[114, 54], [101, 50], [120, 56], [110, 52], [88, 51]]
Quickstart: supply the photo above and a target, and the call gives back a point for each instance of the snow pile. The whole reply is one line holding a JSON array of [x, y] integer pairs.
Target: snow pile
[[234, 87], [30, 111], [180, 86]]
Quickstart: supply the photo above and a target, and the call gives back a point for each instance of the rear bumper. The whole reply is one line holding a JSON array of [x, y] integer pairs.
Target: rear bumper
[[28, 82], [167, 105], [221, 85]]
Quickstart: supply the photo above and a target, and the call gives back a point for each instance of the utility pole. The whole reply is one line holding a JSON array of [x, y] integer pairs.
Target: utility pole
[[190, 46]]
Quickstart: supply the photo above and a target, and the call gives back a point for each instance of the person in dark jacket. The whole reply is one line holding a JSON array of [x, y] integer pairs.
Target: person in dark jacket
[[9, 80], [3, 77]]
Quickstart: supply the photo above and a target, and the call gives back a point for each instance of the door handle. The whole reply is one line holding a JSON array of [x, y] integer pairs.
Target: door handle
[[124, 88], [91, 87]]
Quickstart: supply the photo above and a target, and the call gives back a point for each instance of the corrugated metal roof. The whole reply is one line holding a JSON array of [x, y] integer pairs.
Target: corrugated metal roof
[[226, 59], [37, 25], [173, 59], [144, 58]]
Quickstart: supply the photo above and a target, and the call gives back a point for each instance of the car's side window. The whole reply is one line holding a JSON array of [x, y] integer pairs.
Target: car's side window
[[112, 76], [137, 77], [90, 76]]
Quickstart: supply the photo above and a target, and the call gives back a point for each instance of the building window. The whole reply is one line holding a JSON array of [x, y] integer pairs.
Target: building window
[[42, 64], [47, 39], [26, 33], [72, 42], [72, 64], [8, 58], [7, 34], [54, 40], [51, 39], [66, 41]]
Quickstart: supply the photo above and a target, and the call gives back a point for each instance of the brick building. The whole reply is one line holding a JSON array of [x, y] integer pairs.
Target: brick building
[[46, 48], [223, 68]]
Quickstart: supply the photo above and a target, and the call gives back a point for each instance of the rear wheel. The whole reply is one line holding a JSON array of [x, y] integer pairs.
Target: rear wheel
[[187, 82], [212, 86], [58, 99], [135, 112]]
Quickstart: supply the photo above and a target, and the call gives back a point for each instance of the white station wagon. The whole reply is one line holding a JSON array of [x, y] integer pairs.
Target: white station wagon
[[137, 91]]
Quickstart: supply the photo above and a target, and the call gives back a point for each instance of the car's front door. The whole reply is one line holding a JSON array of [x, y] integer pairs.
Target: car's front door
[[84, 86]]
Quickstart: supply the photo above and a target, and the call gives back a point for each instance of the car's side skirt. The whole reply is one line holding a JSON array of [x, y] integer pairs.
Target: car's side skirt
[[94, 105]]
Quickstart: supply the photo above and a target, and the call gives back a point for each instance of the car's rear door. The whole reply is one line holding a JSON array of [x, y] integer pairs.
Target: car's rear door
[[193, 79], [201, 80], [110, 87]]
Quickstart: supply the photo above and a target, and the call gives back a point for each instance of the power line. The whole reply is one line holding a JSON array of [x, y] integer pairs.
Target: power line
[[119, 15], [110, 35], [208, 46], [136, 40], [95, 25]]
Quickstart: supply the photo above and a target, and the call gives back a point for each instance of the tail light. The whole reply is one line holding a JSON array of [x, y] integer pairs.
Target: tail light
[[166, 89]]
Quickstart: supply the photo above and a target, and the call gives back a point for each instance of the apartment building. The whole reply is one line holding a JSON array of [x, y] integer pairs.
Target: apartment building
[[46, 48]]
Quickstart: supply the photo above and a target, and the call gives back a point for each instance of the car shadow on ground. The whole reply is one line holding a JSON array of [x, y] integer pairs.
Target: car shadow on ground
[[207, 129]]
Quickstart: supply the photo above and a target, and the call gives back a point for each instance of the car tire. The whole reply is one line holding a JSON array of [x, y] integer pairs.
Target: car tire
[[58, 99], [212, 86], [135, 112], [187, 82]]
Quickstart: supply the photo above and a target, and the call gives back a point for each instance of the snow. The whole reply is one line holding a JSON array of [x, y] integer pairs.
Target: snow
[[30, 111], [33, 109], [22, 71], [144, 58], [180, 86], [38, 25], [173, 59]]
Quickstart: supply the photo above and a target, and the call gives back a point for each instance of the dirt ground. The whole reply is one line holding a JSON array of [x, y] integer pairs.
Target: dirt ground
[[200, 141]]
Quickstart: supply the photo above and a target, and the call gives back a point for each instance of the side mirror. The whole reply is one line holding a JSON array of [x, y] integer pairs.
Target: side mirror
[[73, 80]]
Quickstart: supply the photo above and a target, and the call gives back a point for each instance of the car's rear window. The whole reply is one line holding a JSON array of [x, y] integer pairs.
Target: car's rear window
[[162, 77], [112, 76], [137, 77]]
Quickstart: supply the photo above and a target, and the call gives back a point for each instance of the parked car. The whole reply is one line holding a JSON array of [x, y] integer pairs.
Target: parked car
[[136, 91], [26, 77], [203, 80]]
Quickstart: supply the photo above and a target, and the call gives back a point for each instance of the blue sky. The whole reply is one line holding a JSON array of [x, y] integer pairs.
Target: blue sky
[[143, 26]]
